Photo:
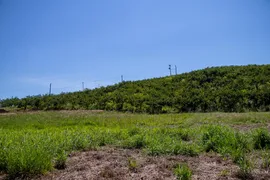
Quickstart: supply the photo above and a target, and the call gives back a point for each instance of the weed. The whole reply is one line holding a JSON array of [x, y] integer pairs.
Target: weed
[[180, 133], [133, 131], [224, 140], [132, 164], [137, 141], [214, 138], [224, 173], [185, 149], [237, 155], [261, 139], [182, 172], [266, 159], [245, 168]]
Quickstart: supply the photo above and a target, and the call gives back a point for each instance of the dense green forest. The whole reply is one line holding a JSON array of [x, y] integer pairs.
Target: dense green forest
[[226, 89]]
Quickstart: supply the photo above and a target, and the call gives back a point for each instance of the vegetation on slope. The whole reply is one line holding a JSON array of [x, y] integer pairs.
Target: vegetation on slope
[[225, 89]]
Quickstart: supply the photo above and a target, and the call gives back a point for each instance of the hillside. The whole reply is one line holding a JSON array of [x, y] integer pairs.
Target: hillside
[[225, 89]]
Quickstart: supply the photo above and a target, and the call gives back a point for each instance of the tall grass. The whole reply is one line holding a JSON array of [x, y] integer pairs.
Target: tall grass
[[30, 152]]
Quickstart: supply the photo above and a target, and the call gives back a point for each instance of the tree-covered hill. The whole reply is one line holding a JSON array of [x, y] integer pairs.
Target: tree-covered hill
[[227, 88]]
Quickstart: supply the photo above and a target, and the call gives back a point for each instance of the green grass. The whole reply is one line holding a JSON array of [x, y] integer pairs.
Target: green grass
[[35, 143]]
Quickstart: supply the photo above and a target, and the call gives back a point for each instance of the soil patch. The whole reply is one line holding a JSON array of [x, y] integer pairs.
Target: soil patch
[[248, 127], [112, 163]]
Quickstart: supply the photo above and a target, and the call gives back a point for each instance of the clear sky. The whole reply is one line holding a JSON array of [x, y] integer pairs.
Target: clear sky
[[67, 42]]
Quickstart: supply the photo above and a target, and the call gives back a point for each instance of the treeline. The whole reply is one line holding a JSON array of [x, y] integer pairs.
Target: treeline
[[225, 89]]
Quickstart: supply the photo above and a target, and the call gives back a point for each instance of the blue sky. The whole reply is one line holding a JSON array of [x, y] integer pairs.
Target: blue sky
[[67, 42]]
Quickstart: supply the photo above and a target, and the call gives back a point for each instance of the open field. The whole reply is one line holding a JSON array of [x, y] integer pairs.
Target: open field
[[102, 145]]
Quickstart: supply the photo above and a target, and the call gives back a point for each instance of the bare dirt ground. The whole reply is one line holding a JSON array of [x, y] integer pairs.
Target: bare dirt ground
[[249, 127], [112, 163]]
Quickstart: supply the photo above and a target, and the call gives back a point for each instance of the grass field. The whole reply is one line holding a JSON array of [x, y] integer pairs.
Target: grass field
[[37, 143]]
